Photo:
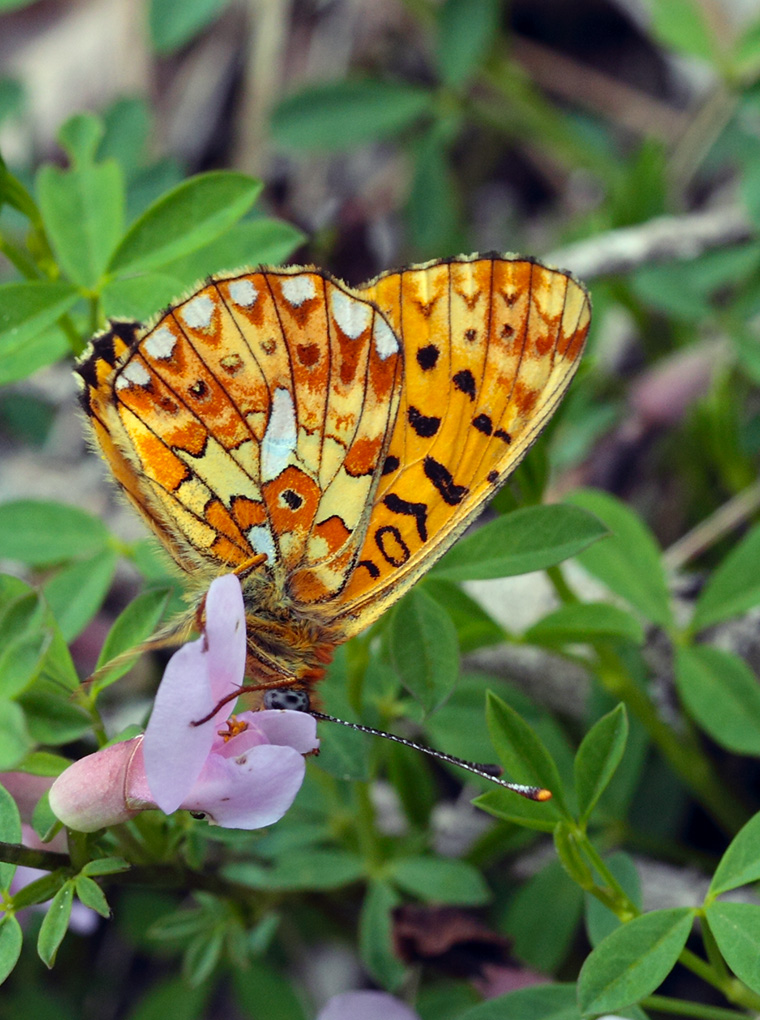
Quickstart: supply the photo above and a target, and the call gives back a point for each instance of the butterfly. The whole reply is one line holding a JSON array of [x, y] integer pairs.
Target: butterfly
[[329, 443]]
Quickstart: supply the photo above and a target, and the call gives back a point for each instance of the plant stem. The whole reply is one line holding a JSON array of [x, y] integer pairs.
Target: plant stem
[[681, 1007]]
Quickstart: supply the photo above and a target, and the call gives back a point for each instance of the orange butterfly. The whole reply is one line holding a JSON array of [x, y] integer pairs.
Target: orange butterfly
[[328, 444]]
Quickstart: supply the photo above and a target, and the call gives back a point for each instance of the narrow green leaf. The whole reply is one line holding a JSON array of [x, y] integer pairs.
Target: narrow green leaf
[[55, 923], [341, 114], [11, 940], [740, 864], [633, 960], [202, 956], [600, 921], [15, 739], [736, 927], [722, 693], [83, 213], [183, 220], [10, 832], [40, 533], [539, 945], [175, 998], [424, 649], [585, 623], [134, 624], [375, 938], [439, 880], [598, 757], [26, 311], [522, 753], [79, 137], [540, 1002], [106, 866], [91, 895], [734, 586], [261, 991], [433, 210], [315, 869], [531, 538], [251, 243], [78, 590], [173, 25], [681, 25], [467, 29], [21, 361], [628, 562], [25, 639], [140, 297], [510, 807], [40, 890]]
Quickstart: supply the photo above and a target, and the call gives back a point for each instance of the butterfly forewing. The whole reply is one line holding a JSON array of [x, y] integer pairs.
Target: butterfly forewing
[[490, 346]]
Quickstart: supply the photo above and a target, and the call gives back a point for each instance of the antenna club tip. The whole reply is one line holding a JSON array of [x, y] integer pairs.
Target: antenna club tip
[[542, 795]]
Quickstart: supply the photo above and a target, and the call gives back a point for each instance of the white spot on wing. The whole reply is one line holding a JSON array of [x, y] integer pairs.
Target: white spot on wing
[[351, 315], [385, 339], [197, 312], [280, 437], [133, 373], [243, 293], [261, 541], [297, 289], [161, 343]]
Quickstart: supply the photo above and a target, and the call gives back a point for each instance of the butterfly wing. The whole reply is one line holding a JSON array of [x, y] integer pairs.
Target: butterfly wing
[[252, 418], [490, 346]]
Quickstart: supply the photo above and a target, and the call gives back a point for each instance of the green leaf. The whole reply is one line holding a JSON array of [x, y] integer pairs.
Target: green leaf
[[83, 213], [541, 945], [467, 30], [531, 538], [681, 25], [510, 807], [734, 586], [78, 591], [439, 880], [251, 243], [633, 960], [55, 923], [175, 998], [139, 297], [474, 626], [736, 927], [106, 866], [340, 114], [740, 864], [202, 955], [584, 623], [600, 921], [722, 694], [540, 1002], [79, 137], [27, 310], [598, 757], [24, 637], [11, 940], [183, 220], [40, 533], [308, 869], [375, 936], [173, 25], [91, 895], [133, 625], [523, 754], [433, 209], [127, 126], [628, 562], [424, 649], [10, 832], [262, 992], [21, 361], [15, 740]]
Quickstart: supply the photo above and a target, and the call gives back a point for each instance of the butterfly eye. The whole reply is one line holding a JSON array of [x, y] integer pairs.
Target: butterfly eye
[[296, 699]]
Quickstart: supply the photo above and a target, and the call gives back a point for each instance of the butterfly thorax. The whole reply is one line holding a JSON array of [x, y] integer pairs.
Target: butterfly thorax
[[287, 643]]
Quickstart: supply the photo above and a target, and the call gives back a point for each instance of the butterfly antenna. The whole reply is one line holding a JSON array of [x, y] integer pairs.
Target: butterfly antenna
[[485, 771]]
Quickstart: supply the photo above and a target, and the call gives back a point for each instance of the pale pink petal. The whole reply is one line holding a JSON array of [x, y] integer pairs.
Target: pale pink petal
[[90, 794], [174, 749], [366, 1006], [226, 637], [248, 792], [288, 728]]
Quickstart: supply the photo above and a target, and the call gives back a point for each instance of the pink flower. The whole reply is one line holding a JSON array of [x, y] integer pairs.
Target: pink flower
[[366, 1006], [239, 771]]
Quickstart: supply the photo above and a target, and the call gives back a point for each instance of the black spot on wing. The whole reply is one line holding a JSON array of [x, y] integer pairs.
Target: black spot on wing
[[505, 436], [422, 425], [390, 465], [483, 424], [427, 357], [416, 510], [441, 478], [391, 545], [464, 381]]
